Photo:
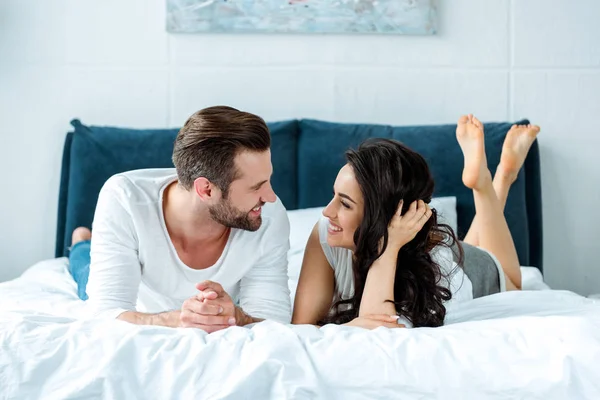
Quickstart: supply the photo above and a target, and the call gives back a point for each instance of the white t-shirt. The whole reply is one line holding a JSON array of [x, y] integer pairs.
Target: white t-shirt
[[135, 267], [340, 259]]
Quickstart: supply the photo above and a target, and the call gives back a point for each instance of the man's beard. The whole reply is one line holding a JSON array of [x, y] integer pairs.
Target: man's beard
[[229, 216]]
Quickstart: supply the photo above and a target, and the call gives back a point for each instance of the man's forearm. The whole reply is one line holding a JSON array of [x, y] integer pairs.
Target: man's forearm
[[170, 318], [379, 286]]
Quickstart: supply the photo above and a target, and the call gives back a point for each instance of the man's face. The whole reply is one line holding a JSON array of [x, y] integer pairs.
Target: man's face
[[242, 208]]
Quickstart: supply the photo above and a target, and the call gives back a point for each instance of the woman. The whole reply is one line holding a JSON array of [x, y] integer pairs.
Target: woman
[[379, 257]]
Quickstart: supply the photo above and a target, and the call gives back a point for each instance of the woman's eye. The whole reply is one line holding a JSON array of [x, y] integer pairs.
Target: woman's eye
[[346, 205]]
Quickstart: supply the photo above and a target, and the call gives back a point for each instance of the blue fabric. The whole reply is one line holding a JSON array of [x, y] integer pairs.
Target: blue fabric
[[59, 247], [306, 155], [284, 153], [79, 266], [533, 196], [92, 154], [321, 154]]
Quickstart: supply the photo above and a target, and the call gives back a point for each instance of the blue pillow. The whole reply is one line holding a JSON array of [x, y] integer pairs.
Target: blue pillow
[[93, 154], [321, 151]]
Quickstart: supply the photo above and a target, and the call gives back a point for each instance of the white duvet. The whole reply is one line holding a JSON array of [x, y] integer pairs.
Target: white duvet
[[536, 344]]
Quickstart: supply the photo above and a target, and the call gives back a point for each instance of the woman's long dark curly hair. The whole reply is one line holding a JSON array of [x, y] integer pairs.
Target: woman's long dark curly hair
[[388, 171]]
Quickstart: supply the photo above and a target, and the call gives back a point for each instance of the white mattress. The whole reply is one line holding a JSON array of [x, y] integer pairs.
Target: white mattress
[[535, 344]]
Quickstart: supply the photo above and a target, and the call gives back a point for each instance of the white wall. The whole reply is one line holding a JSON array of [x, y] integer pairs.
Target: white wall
[[111, 62]]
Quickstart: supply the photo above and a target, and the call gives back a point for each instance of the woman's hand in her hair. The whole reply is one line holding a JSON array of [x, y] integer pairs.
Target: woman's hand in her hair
[[375, 321], [403, 228]]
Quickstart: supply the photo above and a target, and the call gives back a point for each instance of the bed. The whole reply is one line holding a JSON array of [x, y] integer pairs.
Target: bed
[[538, 343]]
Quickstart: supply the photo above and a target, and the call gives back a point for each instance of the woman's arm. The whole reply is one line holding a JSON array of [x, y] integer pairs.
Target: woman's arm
[[379, 286], [316, 284]]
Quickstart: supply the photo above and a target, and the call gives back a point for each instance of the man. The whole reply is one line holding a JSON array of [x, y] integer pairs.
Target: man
[[203, 245]]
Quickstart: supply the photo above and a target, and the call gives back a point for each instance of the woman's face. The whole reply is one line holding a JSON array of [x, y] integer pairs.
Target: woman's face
[[345, 211]]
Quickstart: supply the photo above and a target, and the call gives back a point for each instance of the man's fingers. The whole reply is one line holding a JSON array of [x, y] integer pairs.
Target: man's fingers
[[208, 294], [206, 312], [210, 309], [218, 320], [226, 304], [205, 308], [190, 318], [210, 285], [219, 301]]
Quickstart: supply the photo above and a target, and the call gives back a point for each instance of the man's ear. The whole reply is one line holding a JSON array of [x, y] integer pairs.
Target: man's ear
[[206, 190]]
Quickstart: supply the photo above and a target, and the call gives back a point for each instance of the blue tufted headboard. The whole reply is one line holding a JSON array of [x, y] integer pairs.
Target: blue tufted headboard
[[306, 155]]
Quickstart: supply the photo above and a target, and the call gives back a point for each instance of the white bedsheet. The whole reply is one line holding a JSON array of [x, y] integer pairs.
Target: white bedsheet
[[539, 344]]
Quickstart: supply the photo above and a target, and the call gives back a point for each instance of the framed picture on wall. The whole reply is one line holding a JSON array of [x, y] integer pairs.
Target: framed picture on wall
[[405, 17]]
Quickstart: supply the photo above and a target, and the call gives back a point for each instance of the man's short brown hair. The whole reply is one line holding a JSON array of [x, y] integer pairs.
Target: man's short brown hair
[[207, 144]]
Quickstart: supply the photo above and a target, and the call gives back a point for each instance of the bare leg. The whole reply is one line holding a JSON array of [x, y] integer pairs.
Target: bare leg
[[80, 234], [516, 145], [494, 235]]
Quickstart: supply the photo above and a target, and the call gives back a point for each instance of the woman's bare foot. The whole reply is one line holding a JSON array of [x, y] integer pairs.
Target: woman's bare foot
[[516, 145], [80, 234], [469, 132]]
